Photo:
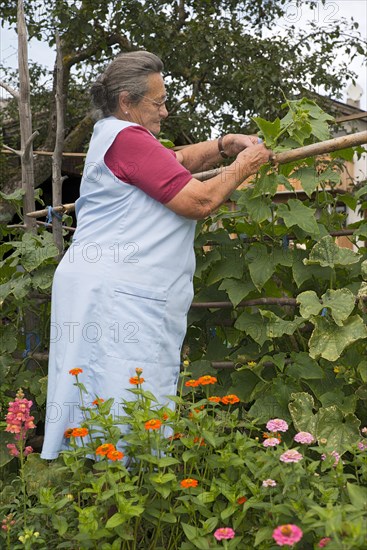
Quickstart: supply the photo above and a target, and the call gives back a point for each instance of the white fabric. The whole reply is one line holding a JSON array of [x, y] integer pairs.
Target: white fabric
[[120, 295]]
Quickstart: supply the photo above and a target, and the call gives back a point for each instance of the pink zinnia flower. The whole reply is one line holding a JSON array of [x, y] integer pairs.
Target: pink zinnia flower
[[304, 437], [362, 446], [224, 533], [324, 542], [287, 535], [271, 442], [277, 425], [269, 483], [335, 455], [291, 456]]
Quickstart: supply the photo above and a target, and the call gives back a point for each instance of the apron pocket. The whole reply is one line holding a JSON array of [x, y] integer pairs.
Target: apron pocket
[[135, 328]]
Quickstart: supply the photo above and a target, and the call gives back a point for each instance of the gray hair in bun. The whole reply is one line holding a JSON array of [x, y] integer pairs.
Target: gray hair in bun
[[128, 72]]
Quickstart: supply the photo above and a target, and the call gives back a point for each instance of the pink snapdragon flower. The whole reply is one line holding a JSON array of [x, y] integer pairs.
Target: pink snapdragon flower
[[291, 456], [18, 419], [269, 483], [287, 535], [362, 446], [335, 454], [277, 425], [225, 533], [271, 442], [8, 522], [324, 542], [18, 422], [304, 437], [364, 430]]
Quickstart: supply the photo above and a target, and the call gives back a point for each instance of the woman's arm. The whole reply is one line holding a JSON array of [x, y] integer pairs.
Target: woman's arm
[[203, 156], [198, 199]]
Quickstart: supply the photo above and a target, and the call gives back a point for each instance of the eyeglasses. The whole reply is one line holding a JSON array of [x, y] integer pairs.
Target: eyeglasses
[[158, 104]]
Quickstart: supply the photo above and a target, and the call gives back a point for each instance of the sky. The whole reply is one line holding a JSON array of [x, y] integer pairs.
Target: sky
[[324, 15]]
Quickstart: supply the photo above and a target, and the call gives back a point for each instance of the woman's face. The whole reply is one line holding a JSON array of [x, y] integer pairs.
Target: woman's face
[[151, 108]]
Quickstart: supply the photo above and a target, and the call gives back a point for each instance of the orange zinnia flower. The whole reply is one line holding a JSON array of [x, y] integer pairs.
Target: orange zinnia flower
[[115, 455], [153, 424], [230, 399], [165, 416], [138, 371], [200, 440], [136, 380], [192, 383], [205, 380], [68, 433], [214, 399], [176, 436], [98, 401], [105, 449], [189, 482], [241, 500], [266, 435], [80, 432], [75, 372]]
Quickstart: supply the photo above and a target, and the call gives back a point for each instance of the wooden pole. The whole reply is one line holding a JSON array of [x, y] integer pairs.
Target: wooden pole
[[57, 179], [312, 150], [321, 148], [25, 118]]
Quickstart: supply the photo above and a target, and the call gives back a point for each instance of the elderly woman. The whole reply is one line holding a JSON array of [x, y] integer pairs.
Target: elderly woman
[[122, 291]]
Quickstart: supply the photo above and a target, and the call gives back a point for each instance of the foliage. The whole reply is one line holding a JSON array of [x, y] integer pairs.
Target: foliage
[[184, 474], [298, 322], [296, 335], [239, 67]]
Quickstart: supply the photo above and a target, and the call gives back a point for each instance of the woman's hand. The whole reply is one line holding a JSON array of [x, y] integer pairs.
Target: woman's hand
[[253, 157], [235, 143]]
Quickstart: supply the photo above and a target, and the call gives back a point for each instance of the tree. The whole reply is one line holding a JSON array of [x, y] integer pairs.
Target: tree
[[220, 66]]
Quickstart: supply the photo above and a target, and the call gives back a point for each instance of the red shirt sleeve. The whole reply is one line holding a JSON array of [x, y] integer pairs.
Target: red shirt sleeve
[[138, 158]]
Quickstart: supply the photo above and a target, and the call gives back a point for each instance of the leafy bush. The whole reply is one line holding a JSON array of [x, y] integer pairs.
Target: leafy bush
[[177, 478]]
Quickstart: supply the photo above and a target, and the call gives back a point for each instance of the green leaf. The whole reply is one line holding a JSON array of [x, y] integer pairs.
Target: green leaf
[[228, 266], [269, 130], [341, 302], [260, 264], [329, 340], [236, 290], [115, 520], [258, 208], [310, 304], [328, 254], [357, 495], [266, 184], [276, 327], [253, 325], [362, 370], [264, 533], [244, 381], [301, 409], [60, 524], [295, 213], [192, 533], [308, 178], [267, 406], [341, 432], [304, 367]]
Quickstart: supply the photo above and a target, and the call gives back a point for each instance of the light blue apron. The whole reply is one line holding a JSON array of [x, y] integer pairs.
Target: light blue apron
[[120, 295]]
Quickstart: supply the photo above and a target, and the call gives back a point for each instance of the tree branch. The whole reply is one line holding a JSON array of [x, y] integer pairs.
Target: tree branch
[[9, 89]]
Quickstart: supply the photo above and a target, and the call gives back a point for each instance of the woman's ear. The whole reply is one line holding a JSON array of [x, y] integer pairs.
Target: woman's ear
[[124, 102]]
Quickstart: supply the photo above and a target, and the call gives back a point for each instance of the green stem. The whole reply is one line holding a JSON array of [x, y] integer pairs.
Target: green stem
[[22, 477]]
